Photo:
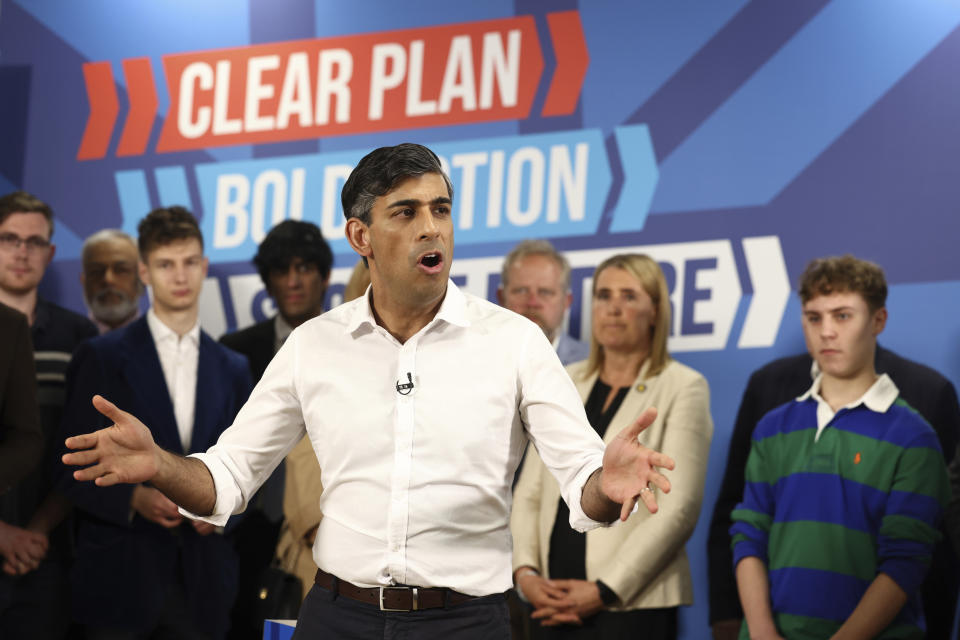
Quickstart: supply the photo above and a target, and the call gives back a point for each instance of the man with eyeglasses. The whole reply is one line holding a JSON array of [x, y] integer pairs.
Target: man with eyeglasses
[[535, 282], [35, 597], [294, 262], [111, 287]]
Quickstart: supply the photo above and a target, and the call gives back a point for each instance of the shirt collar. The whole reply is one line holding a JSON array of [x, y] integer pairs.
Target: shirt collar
[[162, 332], [281, 328], [879, 397], [453, 309]]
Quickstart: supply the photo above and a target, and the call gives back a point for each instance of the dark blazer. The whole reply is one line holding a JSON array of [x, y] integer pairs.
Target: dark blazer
[[932, 395], [255, 342], [125, 563], [21, 440]]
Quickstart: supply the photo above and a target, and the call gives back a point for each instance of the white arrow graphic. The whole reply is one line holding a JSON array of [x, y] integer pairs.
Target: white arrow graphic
[[771, 290]]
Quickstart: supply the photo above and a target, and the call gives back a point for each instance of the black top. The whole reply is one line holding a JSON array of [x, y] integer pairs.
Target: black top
[[568, 548], [56, 333], [257, 343], [21, 439], [780, 381]]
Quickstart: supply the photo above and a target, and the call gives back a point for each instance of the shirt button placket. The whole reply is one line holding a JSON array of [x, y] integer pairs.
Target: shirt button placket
[[403, 449]]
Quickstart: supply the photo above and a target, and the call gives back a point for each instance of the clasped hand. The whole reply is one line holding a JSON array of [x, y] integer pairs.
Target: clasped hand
[[557, 602], [22, 549]]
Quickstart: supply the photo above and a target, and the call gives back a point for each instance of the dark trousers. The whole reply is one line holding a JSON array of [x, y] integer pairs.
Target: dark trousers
[[644, 624], [326, 616], [174, 623], [255, 540], [36, 605]]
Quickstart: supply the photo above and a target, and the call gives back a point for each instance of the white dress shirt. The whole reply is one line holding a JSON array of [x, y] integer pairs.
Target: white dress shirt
[[417, 487], [178, 359]]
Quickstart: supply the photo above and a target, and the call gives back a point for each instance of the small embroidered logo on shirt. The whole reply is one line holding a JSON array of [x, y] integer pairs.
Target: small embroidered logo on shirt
[[856, 458]]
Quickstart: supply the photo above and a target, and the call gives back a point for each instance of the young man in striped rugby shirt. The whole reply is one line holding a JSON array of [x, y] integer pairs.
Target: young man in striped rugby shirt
[[845, 485]]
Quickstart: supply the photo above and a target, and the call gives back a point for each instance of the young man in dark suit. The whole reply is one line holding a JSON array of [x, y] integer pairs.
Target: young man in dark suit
[[294, 262], [174, 576], [780, 381]]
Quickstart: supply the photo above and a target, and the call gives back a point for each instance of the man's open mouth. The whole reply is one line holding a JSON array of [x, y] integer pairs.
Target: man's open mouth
[[431, 260]]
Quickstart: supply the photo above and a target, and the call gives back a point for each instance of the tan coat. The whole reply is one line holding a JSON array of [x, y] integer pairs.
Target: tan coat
[[643, 559], [301, 510]]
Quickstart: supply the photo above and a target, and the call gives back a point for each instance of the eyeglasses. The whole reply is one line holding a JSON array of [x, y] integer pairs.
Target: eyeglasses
[[12, 242]]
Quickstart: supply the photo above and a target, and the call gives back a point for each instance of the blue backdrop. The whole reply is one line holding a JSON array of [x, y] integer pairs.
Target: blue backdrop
[[732, 140]]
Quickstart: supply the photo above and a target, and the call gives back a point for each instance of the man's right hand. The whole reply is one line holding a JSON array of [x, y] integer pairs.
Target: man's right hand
[[123, 452], [22, 550], [155, 507]]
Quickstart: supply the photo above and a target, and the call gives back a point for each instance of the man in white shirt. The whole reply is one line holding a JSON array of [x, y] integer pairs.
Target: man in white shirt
[[141, 568], [418, 400], [535, 282]]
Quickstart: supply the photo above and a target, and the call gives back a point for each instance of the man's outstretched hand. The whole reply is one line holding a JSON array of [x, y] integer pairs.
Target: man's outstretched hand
[[630, 469], [122, 453]]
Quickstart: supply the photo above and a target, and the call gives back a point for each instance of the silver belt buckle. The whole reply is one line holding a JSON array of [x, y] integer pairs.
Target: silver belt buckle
[[415, 599]]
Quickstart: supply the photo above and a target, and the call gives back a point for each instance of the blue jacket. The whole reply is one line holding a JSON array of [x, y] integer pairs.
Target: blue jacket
[[125, 563]]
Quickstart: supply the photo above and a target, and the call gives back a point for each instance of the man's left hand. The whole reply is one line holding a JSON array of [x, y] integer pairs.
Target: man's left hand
[[629, 468], [585, 596]]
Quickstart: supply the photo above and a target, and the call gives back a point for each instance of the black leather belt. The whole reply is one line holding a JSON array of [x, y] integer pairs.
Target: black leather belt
[[393, 598]]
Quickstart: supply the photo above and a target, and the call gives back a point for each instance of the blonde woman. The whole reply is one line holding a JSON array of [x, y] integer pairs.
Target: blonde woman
[[626, 580]]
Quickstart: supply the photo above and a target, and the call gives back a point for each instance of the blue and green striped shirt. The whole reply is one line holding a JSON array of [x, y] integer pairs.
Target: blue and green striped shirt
[[826, 513]]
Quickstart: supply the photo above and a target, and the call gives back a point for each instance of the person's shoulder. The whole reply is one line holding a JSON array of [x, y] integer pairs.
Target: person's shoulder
[[237, 340], [577, 369], [330, 323], [905, 372], [789, 366], [11, 319], [790, 416], [485, 314], [681, 374], [225, 351], [69, 321], [907, 427]]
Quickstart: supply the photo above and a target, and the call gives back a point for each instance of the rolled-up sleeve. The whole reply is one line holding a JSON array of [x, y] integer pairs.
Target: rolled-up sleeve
[[553, 415], [267, 427]]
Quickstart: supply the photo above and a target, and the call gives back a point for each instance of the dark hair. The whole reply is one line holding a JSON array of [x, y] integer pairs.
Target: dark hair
[[165, 225], [844, 274], [23, 202], [293, 239], [383, 169]]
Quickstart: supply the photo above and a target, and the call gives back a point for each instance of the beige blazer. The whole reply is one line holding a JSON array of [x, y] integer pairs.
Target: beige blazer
[[643, 559]]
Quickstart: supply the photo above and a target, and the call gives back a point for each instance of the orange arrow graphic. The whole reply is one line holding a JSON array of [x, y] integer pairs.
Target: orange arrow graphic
[[143, 107], [104, 107], [570, 49]]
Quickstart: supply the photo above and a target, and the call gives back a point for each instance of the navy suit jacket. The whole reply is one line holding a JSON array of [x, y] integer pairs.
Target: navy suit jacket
[[256, 342], [125, 563]]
